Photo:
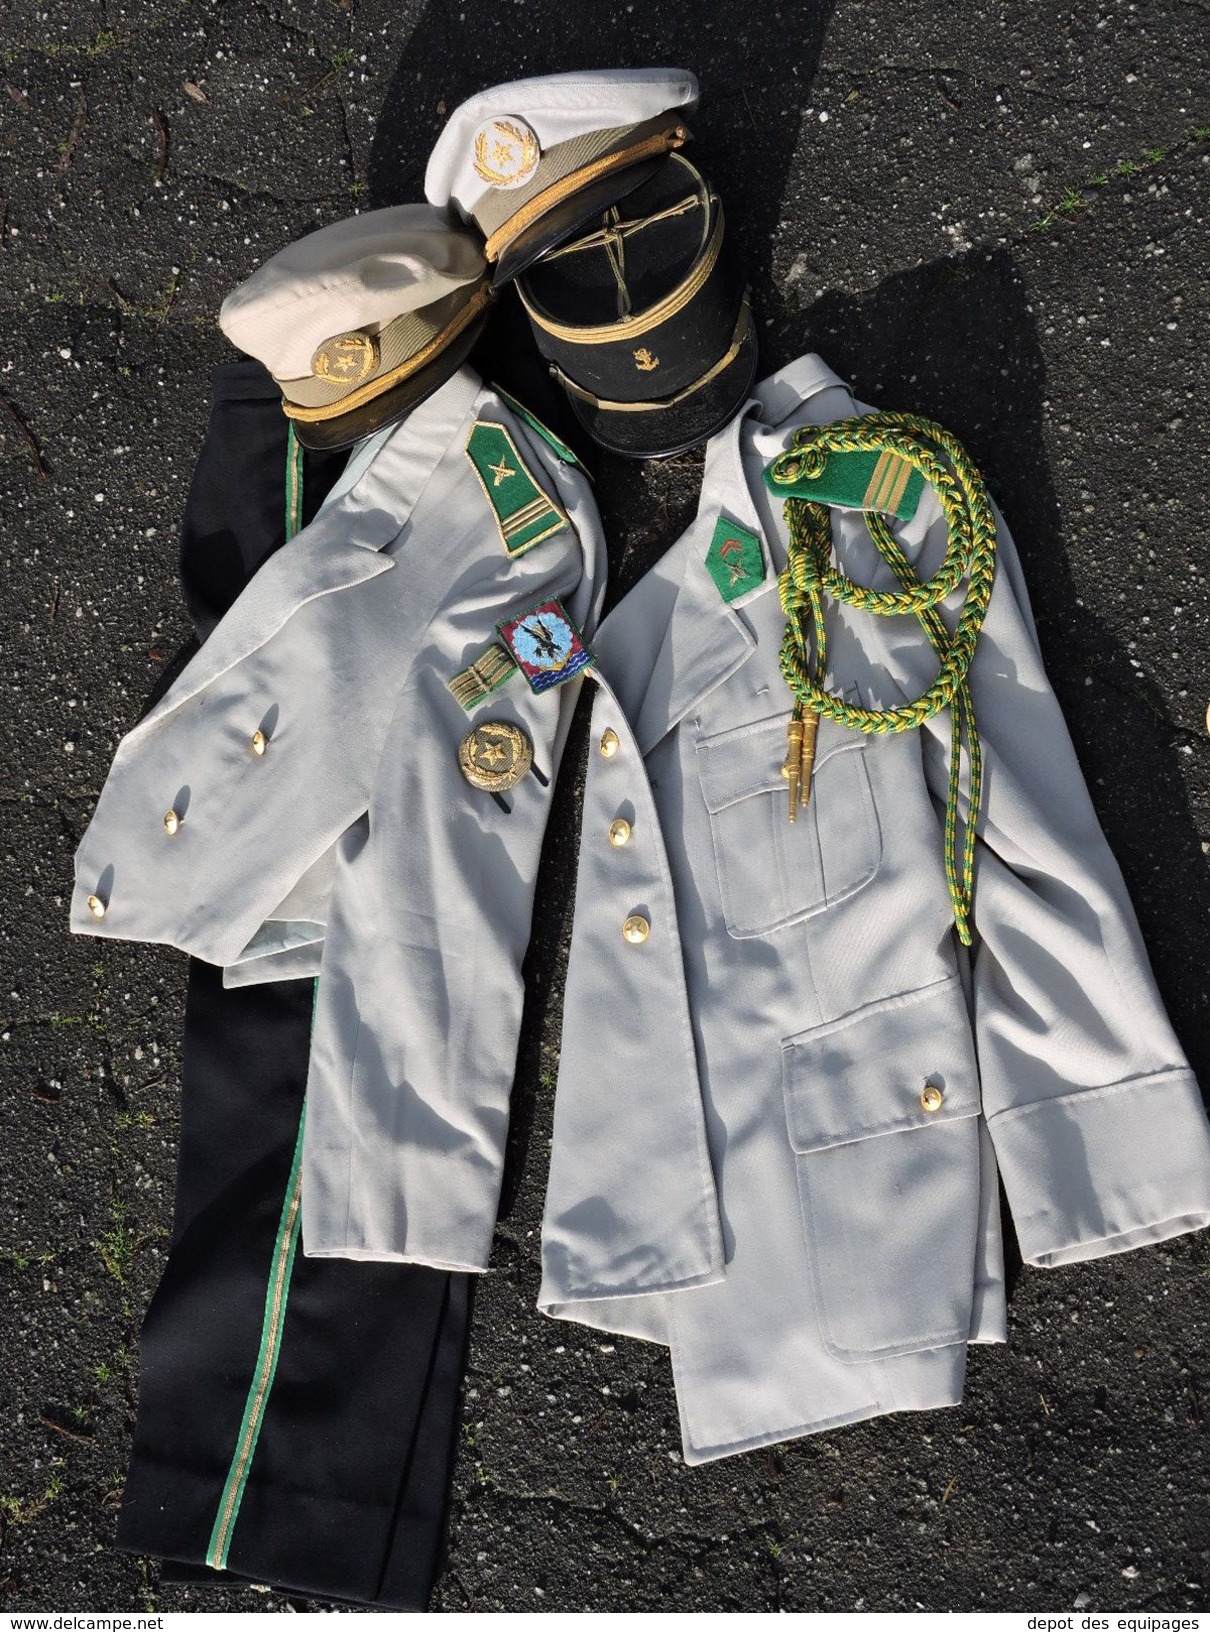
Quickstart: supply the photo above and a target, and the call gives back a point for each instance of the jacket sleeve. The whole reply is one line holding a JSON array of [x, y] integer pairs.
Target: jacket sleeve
[[1099, 1130], [420, 991]]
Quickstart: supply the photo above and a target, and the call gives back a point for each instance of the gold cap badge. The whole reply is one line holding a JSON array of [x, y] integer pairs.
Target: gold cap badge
[[495, 755], [506, 152], [347, 359]]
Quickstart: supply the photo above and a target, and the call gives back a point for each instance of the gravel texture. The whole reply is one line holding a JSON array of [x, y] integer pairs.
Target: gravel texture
[[994, 215]]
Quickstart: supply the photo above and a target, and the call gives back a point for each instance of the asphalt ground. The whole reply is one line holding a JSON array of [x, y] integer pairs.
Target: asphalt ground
[[994, 215]]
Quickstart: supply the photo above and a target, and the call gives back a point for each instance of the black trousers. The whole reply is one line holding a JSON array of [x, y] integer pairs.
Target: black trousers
[[296, 1417]]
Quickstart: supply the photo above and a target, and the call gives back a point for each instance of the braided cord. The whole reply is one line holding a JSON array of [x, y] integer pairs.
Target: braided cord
[[970, 554]]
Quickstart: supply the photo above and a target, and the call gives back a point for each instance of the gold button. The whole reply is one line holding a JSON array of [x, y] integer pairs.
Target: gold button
[[259, 742], [609, 743], [172, 821], [636, 930], [931, 1098], [619, 832], [96, 906]]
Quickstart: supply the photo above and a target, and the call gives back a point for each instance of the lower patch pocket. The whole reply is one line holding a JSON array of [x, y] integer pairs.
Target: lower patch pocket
[[882, 1114]]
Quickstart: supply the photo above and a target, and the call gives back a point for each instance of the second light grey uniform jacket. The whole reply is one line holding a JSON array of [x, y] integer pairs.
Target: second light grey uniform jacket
[[344, 841], [744, 1167]]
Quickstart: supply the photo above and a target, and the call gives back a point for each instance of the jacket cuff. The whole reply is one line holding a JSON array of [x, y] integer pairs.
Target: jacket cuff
[[446, 1221], [469, 1257], [1104, 1170], [293, 963]]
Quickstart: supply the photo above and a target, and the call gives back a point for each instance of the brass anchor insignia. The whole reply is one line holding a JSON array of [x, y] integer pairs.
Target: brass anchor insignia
[[644, 360]]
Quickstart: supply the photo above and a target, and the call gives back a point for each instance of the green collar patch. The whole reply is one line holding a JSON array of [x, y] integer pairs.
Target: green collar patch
[[735, 559], [525, 514], [853, 480], [568, 455]]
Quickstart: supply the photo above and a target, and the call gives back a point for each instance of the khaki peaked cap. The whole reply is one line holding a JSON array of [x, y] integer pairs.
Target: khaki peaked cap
[[358, 321]]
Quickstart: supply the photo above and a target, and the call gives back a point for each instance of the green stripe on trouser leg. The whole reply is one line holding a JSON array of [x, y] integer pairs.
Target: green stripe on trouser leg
[[281, 1264], [294, 482]]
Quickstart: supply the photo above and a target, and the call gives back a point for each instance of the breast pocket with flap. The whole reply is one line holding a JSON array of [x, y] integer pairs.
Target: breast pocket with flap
[[771, 871], [882, 1114]]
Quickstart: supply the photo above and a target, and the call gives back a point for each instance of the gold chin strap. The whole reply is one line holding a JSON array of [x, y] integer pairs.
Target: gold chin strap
[[655, 404], [662, 142], [395, 376]]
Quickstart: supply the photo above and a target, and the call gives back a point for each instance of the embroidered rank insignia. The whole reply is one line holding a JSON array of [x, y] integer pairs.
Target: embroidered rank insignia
[[489, 671], [546, 644], [568, 455], [495, 756], [505, 152], [524, 513], [851, 480], [735, 559]]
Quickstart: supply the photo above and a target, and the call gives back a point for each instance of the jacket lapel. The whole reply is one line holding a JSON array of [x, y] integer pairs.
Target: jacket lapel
[[674, 638], [704, 643], [341, 548]]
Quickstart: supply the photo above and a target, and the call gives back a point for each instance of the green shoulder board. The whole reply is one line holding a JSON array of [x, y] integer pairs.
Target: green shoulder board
[[853, 479], [525, 514]]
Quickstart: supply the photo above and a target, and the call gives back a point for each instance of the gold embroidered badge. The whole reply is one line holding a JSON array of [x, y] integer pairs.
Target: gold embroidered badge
[[347, 359], [495, 756], [645, 361], [506, 152]]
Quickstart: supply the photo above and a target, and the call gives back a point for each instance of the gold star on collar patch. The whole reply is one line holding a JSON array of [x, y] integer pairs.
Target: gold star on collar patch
[[735, 559]]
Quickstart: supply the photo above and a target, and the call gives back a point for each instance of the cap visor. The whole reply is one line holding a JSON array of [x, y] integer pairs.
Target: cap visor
[[564, 220], [659, 433], [394, 404]]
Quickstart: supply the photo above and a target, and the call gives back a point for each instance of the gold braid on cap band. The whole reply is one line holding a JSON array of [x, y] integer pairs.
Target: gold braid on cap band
[[402, 371], [626, 328], [654, 404], [662, 142]]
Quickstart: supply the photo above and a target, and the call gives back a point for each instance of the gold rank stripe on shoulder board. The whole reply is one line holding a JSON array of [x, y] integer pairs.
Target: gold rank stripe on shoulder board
[[525, 514]]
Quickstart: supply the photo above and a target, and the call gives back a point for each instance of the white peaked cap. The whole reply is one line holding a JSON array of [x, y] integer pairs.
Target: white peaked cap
[[358, 274], [554, 109]]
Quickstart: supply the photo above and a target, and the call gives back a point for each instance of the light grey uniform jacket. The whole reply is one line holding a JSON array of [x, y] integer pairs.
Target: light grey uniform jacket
[[353, 847], [743, 1168]]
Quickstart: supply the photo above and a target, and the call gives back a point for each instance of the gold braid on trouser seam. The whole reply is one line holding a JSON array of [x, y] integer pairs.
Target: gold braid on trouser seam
[[970, 553]]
